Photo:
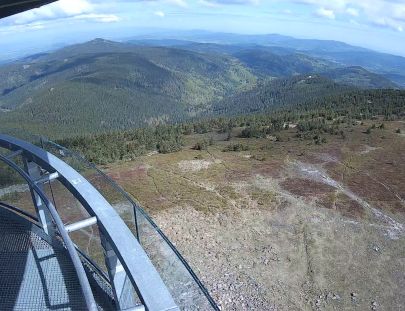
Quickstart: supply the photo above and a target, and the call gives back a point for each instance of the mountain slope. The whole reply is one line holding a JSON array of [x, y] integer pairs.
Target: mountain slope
[[280, 93], [282, 62], [312, 93], [360, 77], [192, 78], [103, 85], [263, 39], [391, 66], [267, 63]]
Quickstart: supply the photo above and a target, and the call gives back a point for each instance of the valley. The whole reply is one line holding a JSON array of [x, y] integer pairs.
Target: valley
[[274, 164], [161, 82]]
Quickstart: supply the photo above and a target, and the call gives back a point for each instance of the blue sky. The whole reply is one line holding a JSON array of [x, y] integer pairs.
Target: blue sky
[[376, 24]]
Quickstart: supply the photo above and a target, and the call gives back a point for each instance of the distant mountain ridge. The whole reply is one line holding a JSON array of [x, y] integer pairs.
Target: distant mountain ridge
[[262, 39], [103, 85], [391, 66], [281, 62]]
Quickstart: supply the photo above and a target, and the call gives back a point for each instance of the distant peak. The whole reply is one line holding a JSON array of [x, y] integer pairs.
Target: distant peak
[[101, 40]]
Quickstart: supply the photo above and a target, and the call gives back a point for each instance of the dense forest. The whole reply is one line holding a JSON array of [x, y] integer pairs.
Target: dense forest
[[115, 101], [102, 86], [313, 119], [311, 92]]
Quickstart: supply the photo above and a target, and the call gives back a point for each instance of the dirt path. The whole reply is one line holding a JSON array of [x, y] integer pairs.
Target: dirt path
[[394, 229], [292, 232]]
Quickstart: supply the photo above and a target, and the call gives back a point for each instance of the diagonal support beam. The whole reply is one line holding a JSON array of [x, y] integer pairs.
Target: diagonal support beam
[[43, 214]]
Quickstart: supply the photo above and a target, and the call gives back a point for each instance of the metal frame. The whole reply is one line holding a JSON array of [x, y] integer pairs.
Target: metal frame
[[137, 207], [10, 7], [40, 196], [42, 210], [128, 265], [34, 220]]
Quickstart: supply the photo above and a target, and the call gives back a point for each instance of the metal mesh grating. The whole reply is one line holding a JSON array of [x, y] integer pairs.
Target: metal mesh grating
[[33, 274]]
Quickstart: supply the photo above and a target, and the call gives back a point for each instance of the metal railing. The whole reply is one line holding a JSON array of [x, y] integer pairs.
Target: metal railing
[[131, 273], [183, 284], [84, 283], [138, 213]]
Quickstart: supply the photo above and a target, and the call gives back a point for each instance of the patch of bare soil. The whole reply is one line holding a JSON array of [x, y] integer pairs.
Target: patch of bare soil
[[321, 230], [306, 188], [298, 257], [194, 165], [288, 253], [128, 174], [368, 149]]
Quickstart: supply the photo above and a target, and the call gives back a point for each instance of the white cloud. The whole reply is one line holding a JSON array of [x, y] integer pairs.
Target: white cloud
[[36, 26], [62, 10], [13, 29], [159, 13], [382, 13], [180, 3], [352, 11], [226, 2], [59, 9], [322, 12], [388, 23], [102, 18], [208, 3], [74, 7]]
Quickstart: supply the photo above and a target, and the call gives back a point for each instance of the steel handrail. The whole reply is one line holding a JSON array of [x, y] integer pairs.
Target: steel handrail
[[32, 218], [15, 209], [136, 206], [81, 274], [143, 276], [110, 181]]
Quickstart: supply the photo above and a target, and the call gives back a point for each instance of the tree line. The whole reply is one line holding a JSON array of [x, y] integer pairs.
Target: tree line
[[312, 118]]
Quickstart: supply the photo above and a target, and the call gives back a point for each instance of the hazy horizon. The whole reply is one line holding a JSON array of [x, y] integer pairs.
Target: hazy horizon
[[373, 24], [23, 49]]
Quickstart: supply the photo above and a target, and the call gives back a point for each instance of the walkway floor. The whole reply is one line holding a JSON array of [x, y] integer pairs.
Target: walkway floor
[[33, 274]]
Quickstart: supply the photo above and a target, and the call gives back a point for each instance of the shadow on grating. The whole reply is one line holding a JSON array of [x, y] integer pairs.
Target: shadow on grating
[[35, 275]]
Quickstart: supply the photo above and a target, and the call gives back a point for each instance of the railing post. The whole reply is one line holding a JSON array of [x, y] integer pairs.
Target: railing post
[[132, 275], [44, 216], [122, 288]]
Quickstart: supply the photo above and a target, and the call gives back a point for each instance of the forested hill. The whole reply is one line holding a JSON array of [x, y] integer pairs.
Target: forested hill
[[312, 93], [102, 85], [281, 65], [283, 62], [184, 76], [342, 54], [279, 93], [314, 118]]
